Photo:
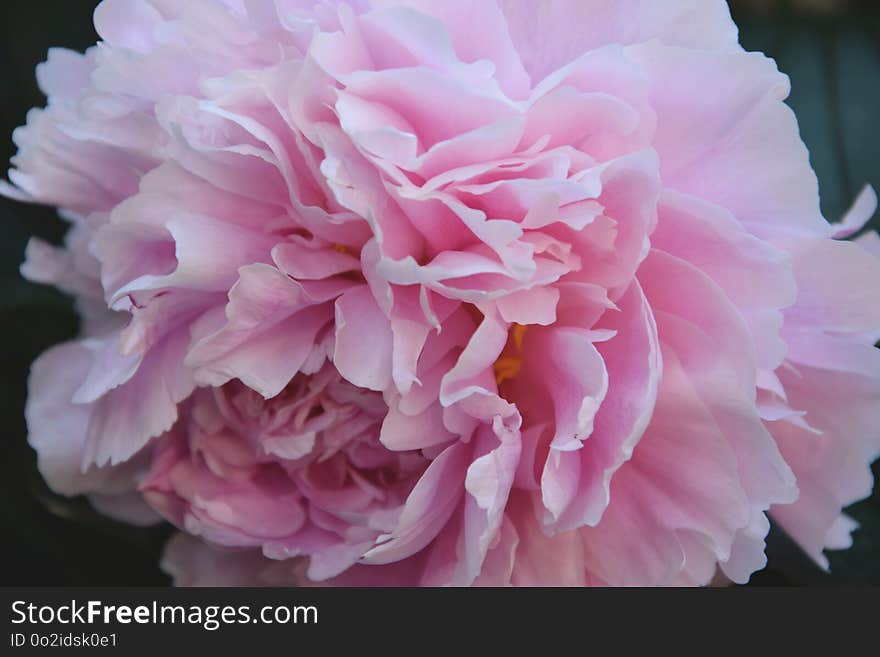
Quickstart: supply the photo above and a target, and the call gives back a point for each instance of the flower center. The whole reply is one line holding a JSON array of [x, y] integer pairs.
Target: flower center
[[509, 362]]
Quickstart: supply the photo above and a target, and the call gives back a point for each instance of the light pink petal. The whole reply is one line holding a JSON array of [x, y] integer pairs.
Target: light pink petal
[[543, 560], [127, 23], [581, 25], [498, 566], [193, 563], [407, 572], [472, 374], [307, 261], [869, 241], [630, 189], [534, 306], [569, 116], [230, 158], [363, 340], [127, 417], [478, 31], [682, 479], [488, 482], [58, 430], [428, 507], [632, 360], [268, 333], [835, 382], [746, 114], [569, 369], [66, 268], [710, 338], [402, 431], [207, 254], [844, 302], [110, 367], [858, 215], [754, 275], [64, 75], [418, 94]]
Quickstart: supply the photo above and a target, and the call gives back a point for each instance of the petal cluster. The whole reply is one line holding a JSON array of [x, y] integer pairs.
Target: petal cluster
[[465, 293]]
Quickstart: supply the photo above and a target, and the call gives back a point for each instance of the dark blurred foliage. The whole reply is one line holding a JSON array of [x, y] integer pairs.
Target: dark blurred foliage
[[829, 48]]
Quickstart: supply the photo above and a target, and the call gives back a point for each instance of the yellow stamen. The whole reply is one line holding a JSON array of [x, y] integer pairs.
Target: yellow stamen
[[340, 248], [509, 362], [518, 331]]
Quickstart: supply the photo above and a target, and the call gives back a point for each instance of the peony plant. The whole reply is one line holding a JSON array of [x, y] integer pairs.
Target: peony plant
[[473, 292]]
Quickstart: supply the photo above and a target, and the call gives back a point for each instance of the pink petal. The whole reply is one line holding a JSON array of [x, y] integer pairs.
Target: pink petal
[[270, 327], [360, 322], [581, 25]]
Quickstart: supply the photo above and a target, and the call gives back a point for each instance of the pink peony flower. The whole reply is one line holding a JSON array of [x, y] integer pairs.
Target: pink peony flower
[[472, 292]]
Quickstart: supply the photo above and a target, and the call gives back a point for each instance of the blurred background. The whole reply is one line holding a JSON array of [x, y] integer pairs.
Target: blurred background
[[829, 48]]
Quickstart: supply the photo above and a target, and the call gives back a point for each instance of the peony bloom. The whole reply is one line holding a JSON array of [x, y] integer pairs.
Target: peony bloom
[[448, 293]]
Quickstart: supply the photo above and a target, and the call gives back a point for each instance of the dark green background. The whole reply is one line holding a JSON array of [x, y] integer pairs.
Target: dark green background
[[834, 63]]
